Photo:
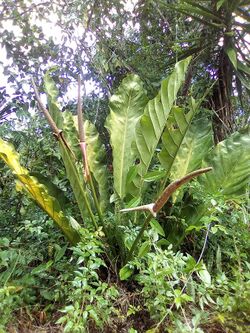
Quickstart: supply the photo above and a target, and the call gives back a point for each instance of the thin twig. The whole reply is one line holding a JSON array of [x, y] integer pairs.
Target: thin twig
[[42, 107], [82, 143], [58, 133], [148, 207]]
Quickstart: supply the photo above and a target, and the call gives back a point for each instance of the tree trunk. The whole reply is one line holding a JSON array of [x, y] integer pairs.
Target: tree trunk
[[220, 101]]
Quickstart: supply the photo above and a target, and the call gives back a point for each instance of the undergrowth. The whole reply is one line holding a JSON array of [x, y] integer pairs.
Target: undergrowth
[[76, 289]]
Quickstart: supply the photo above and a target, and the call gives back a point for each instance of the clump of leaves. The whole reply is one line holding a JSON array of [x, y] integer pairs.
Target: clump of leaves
[[89, 299]]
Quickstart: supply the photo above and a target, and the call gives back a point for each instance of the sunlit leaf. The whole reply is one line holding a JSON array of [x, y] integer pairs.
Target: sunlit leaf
[[157, 227], [126, 108], [52, 95], [151, 125], [232, 55], [204, 275], [144, 249], [38, 192], [230, 160], [154, 175], [176, 129], [197, 141], [125, 272], [42, 268], [68, 147], [97, 162]]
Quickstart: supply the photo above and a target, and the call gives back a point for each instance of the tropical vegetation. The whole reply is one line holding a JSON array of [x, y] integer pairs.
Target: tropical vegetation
[[125, 208]]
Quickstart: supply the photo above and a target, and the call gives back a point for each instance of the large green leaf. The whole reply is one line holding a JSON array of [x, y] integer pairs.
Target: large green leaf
[[52, 94], [194, 7], [70, 131], [232, 55], [151, 125], [230, 160], [39, 193], [126, 108], [68, 147], [195, 146], [177, 126], [97, 162], [74, 173]]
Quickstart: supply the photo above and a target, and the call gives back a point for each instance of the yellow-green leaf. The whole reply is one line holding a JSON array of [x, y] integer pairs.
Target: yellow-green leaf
[[38, 192]]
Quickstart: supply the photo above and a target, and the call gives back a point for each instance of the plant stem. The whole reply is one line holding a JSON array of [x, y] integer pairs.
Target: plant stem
[[169, 190], [138, 237], [65, 149], [86, 201], [98, 208], [81, 132], [160, 202], [87, 173], [46, 113]]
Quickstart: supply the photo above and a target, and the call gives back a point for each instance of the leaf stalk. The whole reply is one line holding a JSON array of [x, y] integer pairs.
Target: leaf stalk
[[83, 146], [64, 144], [160, 202]]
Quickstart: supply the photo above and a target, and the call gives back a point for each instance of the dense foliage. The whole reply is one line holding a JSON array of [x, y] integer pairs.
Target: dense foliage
[[126, 209]]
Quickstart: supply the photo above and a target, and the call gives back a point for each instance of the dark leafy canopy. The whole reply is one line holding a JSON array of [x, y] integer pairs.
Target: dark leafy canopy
[[105, 41], [224, 25]]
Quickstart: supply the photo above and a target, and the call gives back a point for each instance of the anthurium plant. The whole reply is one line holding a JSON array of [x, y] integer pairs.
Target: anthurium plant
[[152, 141]]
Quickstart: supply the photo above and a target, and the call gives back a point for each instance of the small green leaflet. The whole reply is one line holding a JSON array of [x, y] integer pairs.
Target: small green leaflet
[[157, 227], [154, 175], [42, 268], [220, 4], [232, 55], [133, 202], [204, 275], [125, 272], [144, 249]]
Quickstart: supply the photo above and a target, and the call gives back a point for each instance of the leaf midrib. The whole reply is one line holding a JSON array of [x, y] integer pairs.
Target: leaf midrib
[[123, 148]]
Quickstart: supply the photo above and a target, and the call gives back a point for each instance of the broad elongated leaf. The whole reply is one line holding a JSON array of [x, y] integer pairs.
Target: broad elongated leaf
[[97, 162], [220, 4], [74, 167], [38, 192], [177, 126], [195, 146], [155, 175], [242, 71], [52, 189], [74, 174], [151, 125], [230, 160], [199, 13], [200, 10], [52, 94], [70, 132], [126, 108]]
